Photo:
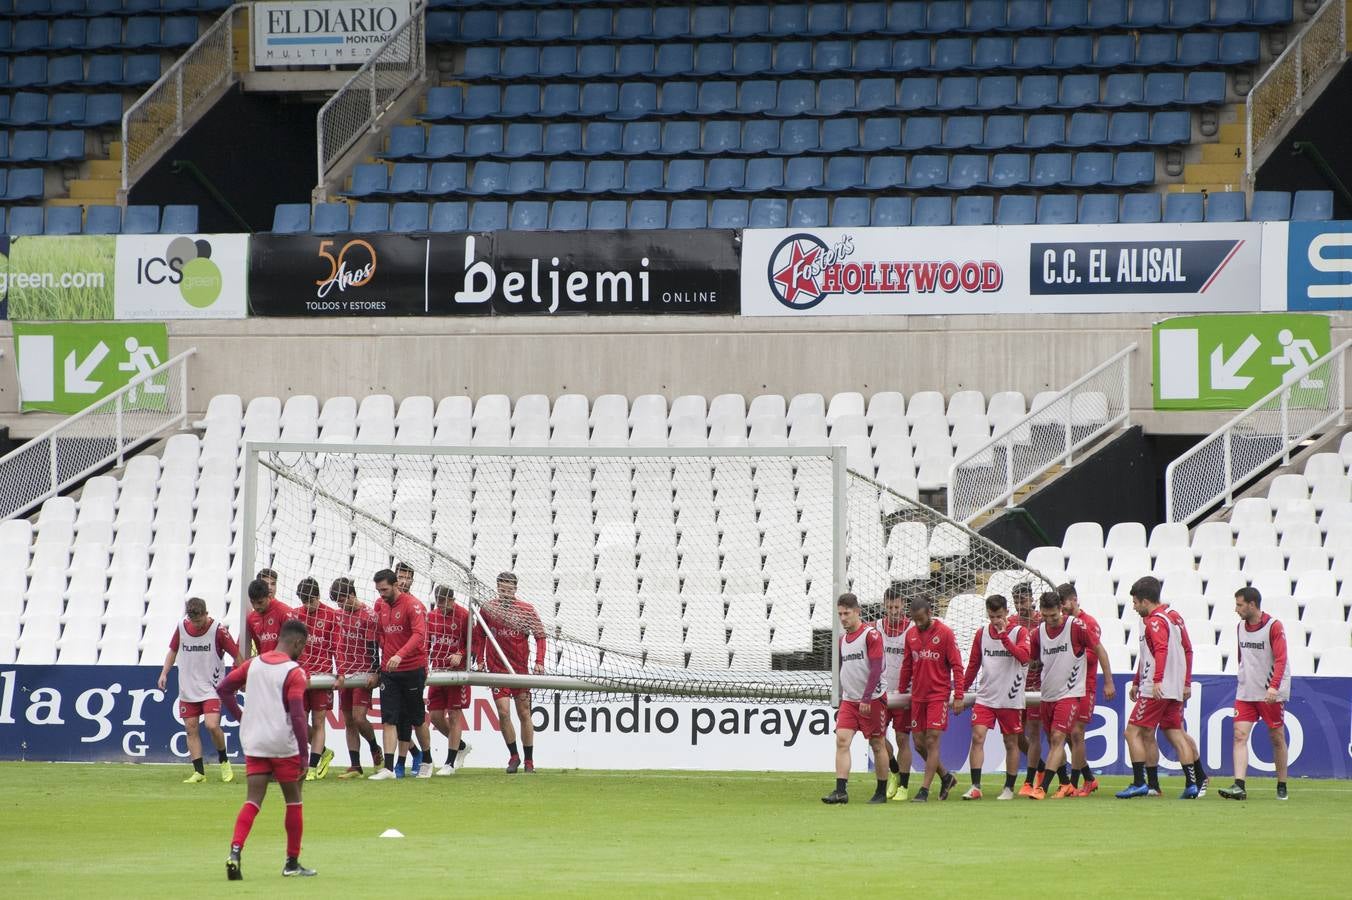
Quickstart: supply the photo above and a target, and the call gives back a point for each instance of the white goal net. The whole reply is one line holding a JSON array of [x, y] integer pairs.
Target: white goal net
[[665, 572]]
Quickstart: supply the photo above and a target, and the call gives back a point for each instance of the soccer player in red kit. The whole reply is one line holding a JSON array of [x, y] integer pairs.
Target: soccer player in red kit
[[1157, 691], [264, 623], [863, 703], [1264, 684], [1063, 644], [318, 659], [421, 749], [447, 632], [1079, 760], [1153, 747], [930, 669], [358, 660], [892, 626], [1000, 653], [510, 623], [1030, 742], [198, 647], [273, 735], [403, 645]]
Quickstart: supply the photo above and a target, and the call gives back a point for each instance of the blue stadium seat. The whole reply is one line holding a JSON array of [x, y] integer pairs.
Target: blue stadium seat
[[1044, 130], [560, 100], [752, 58], [28, 71], [1204, 88], [1133, 168], [1238, 48], [1050, 170], [838, 135], [974, 210], [803, 173], [671, 22], [835, 96], [768, 212], [371, 217], [905, 17], [710, 21], [517, 25], [951, 54], [1001, 132], [450, 215], [723, 137], [637, 99], [485, 140], [922, 132], [875, 94], [880, 134], [480, 62], [599, 100], [996, 92], [66, 34], [1086, 129], [825, 19], [1188, 14], [595, 60], [927, 171], [757, 98], [558, 61], [368, 179], [1141, 208], [1123, 89], [1114, 51], [25, 220], [519, 100], [647, 215], [682, 176], [1312, 206], [808, 212], [686, 214], [885, 172], [529, 215], [99, 111], [287, 218], [442, 27], [1170, 127], [1107, 14], [522, 139], [641, 139], [750, 21], [633, 22], [607, 215], [1156, 49], [138, 70], [763, 174], [866, 18], [146, 219], [792, 58], [918, 94], [141, 32], [479, 26], [1228, 13], [1183, 207], [1032, 53], [442, 103], [710, 60], [983, 16], [444, 178], [1067, 14], [488, 215], [568, 215], [843, 173], [634, 60], [103, 34], [716, 97], [108, 219], [1147, 14], [643, 176], [956, 92], [1098, 209], [1010, 170], [604, 177], [69, 109], [602, 139], [1078, 91], [891, 211], [788, 19], [518, 62], [65, 71], [1025, 15], [1270, 206], [1166, 88], [798, 136], [179, 218], [1093, 169], [405, 142], [24, 184], [526, 177], [443, 142], [678, 59], [992, 53], [1225, 206], [25, 109], [1127, 129], [1037, 92], [1198, 49], [725, 174], [1270, 12], [870, 56], [910, 55], [727, 213], [932, 211], [1056, 209], [966, 171], [490, 178], [795, 98], [27, 146], [679, 138]]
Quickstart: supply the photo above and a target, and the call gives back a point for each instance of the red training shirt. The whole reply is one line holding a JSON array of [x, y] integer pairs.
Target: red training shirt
[[318, 655], [446, 637], [264, 628], [403, 632], [511, 624], [931, 664]]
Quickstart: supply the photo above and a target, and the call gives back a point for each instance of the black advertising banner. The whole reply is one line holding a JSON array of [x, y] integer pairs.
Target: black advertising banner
[[1128, 267], [502, 274]]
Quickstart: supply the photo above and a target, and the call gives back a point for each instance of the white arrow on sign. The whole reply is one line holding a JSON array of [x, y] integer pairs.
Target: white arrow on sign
[[1223, 371], [77, 376]]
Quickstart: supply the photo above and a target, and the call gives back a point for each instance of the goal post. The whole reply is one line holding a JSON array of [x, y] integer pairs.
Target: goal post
[[672, 571]]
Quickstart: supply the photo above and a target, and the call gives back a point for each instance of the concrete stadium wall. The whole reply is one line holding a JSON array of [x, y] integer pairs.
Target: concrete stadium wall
[[666, 355]]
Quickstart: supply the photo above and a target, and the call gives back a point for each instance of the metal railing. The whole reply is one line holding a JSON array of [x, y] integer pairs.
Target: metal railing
[[169, 107], [357, 107], [1280, 95], [145, 408], [1050, 434], [1309, 400]]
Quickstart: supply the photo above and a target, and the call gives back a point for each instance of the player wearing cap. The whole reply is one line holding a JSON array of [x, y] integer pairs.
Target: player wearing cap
[[862, 701]]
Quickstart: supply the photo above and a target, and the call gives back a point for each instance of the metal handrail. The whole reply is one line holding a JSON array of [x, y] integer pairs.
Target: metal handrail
[[51, 435], [1005, 438], [1227, 431], [175, 76], [417, 72]]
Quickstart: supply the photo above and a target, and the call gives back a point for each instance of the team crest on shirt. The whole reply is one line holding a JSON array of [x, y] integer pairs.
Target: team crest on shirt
[[935, 640], [398, 616]]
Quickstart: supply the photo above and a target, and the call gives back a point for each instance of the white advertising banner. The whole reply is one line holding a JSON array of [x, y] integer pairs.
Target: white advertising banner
[[324, 32], [1001, 269], [186, 276]]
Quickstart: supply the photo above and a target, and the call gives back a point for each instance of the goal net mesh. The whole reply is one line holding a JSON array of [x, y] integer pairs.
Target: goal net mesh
[[664, 575]]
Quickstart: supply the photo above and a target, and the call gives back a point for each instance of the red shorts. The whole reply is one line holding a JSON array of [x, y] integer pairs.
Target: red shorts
[[1009, 720], [1058, 715], [188, 709], [1253, 710], [350, 697], [1085, 713], [282, 768], [1151, 713], [499, 693], [899, 717], [448, 697], [870, 726], [317, 699], [931, 715]]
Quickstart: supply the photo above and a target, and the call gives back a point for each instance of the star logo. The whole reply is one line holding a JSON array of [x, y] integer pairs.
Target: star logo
[[792, 280]]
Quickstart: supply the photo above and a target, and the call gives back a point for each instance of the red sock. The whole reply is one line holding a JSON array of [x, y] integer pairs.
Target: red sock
[[244, 822], [294, 826]]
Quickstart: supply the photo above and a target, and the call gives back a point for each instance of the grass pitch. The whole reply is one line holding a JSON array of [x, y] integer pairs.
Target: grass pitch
[[135, 831]]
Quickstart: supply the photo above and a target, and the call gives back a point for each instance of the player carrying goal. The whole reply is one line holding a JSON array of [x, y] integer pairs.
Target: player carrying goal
[[510, 624]]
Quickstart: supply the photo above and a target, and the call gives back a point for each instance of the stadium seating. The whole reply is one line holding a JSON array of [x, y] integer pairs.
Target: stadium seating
[[101, 219]]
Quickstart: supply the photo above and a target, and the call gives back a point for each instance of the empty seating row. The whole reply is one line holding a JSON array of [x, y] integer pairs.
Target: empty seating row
[[60, 8], [764, 175], [33, 71], [42, 146], [785, 20], [27, 109], [823, 97], [107, 33], [567, 215], [791, 137], [629, 60], [138, 219]]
